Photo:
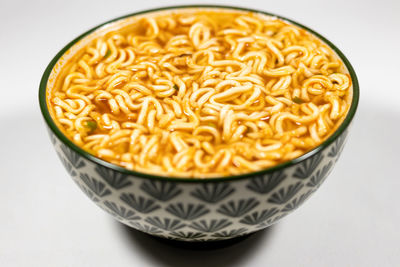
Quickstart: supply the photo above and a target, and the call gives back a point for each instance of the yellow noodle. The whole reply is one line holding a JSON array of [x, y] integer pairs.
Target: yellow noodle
[[193, 93]]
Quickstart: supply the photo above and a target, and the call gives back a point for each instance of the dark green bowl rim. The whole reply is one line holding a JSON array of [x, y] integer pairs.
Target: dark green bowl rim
[[322, 146]]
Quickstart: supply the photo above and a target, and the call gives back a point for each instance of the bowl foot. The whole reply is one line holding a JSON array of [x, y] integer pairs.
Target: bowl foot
[[208, 245]]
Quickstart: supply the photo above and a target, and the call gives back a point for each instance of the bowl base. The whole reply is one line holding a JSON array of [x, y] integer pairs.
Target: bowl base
[[198, 245]]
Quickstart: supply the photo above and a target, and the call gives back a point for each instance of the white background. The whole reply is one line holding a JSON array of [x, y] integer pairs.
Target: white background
[[353, 220]]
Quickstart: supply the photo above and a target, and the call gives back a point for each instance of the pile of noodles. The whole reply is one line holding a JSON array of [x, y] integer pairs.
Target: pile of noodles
[[202, 93]]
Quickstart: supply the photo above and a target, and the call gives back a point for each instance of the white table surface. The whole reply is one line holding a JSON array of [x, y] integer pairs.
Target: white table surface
[[353, 220]]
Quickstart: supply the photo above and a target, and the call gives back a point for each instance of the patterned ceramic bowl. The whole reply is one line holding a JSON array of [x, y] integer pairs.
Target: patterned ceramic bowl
[[194, 209]]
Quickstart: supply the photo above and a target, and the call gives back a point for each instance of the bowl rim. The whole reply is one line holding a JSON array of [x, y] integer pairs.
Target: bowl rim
[[51, 124]]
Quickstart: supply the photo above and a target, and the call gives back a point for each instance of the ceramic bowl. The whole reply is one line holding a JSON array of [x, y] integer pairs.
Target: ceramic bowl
[[196, 209]]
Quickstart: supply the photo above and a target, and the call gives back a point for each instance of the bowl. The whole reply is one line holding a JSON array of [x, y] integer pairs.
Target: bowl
[[197, 209]]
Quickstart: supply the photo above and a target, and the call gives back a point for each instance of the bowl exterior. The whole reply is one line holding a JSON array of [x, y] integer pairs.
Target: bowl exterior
[[200, 211]]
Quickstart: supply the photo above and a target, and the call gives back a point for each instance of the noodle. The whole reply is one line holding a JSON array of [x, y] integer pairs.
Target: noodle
[[201, 93]]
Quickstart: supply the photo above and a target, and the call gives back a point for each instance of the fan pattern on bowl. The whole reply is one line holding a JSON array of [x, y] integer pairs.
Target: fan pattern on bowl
[[200, 211]]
